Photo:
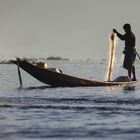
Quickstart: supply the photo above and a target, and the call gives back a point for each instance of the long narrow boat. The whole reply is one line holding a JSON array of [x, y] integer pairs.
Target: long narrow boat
[[56, 79]]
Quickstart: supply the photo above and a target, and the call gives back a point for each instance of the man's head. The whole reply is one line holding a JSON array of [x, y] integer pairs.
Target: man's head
[[127, 27]]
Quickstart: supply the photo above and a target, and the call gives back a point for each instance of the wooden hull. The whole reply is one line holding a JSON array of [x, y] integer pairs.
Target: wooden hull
[[56, 79]]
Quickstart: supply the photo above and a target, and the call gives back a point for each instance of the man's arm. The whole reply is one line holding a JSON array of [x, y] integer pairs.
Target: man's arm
[[122, 37]]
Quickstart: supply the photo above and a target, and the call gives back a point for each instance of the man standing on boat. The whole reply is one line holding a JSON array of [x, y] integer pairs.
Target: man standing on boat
[[129, 50]]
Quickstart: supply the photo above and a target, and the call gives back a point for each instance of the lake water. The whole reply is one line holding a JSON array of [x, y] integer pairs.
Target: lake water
[[37, 112]]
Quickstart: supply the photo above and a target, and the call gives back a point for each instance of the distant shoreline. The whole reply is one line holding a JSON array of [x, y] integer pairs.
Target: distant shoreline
[[35, 60], [57, 58]]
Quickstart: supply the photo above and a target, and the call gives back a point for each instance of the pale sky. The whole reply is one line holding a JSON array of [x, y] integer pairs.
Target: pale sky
[[75, 29]]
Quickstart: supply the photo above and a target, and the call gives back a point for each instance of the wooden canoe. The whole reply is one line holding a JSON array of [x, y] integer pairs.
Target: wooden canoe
[[56, 79]]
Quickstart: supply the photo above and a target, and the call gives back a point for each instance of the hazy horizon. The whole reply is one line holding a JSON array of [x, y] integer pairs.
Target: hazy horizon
[[75, 29]]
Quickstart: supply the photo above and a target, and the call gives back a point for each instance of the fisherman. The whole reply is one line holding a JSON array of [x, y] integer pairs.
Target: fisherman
[[129, 50]]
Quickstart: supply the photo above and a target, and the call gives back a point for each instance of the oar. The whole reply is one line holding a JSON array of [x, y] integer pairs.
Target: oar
[[19, 74]]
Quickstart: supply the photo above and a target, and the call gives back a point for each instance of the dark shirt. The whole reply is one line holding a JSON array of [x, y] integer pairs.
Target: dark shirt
[[129, 39]]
